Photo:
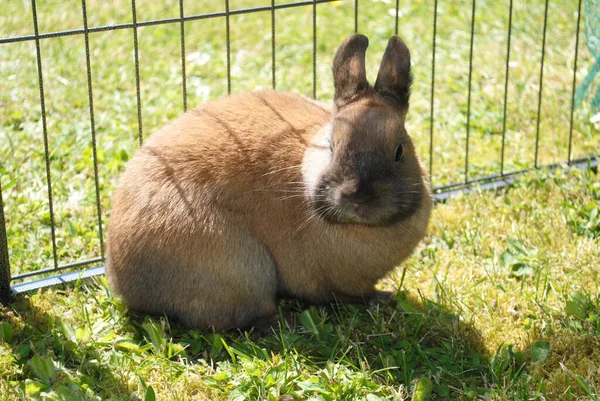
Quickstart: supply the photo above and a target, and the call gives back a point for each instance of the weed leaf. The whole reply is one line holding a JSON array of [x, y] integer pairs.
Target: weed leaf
[[43, 368], [5, 332], [150, 396], [309, 319], [33, 387], [156, 336], [540, 351], [422, 390]]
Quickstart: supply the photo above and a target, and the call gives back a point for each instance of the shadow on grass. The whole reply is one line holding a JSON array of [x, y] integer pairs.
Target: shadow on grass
[[52, 355], [343, 351], [395, 344]]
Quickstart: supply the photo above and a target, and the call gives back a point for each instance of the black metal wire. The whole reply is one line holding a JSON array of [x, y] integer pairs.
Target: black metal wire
[[183, 75], [510, 9], [137, 73], [432, 106], [469, 93], [498, 177], [574, 81], [92, 125], [314, 49], [228, 39], [59, 268], [45, 131], [274, 82], [355, 16], [397, 10], [5, 291], [539, 109], [160, 21]]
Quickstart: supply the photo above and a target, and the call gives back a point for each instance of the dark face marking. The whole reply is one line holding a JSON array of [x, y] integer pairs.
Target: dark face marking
[[367, 183]]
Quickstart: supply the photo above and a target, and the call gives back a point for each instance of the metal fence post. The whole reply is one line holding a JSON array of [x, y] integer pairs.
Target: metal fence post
[[5, 292]]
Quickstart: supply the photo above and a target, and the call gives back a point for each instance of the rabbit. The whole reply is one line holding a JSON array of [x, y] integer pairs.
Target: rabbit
[[266, 194]]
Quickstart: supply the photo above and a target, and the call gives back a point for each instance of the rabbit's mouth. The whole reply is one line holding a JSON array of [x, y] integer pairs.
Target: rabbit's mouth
[[358, 214], [380, 208], [371, 211]]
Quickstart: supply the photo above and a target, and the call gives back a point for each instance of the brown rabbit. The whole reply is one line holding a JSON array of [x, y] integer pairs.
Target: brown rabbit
[[264, 194]]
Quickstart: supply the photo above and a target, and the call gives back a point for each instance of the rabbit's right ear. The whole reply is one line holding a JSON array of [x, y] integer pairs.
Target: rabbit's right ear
[[394, 77], [349, 74]]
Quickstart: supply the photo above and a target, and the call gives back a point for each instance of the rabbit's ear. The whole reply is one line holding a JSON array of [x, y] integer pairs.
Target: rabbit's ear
[[394, 78], [349, 75]]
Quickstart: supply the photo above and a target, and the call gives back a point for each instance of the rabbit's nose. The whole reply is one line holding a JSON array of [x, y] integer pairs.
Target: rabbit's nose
[[354, 193]]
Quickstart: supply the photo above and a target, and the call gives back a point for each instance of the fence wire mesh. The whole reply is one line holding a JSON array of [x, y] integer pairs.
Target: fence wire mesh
[[317, 26]]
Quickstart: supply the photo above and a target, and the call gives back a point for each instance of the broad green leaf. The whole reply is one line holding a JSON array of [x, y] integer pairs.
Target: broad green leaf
[[221, 376], [574, 308], [422, 390], [108, 337], [312, 386], [156, 336], [81, 334], [501, 359], [6, 331], [517, 246], [43, 368], [408, 307], [71, 228], [22, 351], [124, 155], [580, 298], [237, 395], [33, 387], [130, 346], [540, 351], [216, 345], [309, 319], [150, 396], [507, 259], [68, 331], [175, 349]]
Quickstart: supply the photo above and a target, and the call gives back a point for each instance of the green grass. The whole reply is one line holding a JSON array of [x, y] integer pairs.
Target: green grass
[[499, 302], [468, 319]]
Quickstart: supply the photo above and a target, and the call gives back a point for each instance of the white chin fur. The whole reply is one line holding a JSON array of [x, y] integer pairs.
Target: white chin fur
[[316, 159]]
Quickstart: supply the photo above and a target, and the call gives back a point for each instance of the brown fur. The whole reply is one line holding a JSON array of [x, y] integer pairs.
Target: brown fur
[[212, 219]]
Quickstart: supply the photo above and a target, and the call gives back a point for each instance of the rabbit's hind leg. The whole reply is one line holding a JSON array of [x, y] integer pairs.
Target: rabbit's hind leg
[[235, 281]]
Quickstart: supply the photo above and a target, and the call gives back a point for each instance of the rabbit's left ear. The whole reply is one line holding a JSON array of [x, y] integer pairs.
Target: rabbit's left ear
[[394, 77], [349, 75]]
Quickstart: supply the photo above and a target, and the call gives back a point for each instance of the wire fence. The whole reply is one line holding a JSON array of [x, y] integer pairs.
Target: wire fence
[[443, 186]]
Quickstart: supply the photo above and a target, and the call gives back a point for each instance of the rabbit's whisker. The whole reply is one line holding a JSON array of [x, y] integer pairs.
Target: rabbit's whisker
[[318, 212], [281, 169]]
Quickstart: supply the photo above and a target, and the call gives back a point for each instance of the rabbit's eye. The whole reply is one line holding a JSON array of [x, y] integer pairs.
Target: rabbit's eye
[[399, 153]]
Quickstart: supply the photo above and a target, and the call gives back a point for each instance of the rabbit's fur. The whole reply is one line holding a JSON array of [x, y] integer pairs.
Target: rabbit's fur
[[264, 194]]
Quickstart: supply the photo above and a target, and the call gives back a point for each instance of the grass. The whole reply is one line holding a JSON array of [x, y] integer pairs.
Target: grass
[[468, 320], [500, 301]]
